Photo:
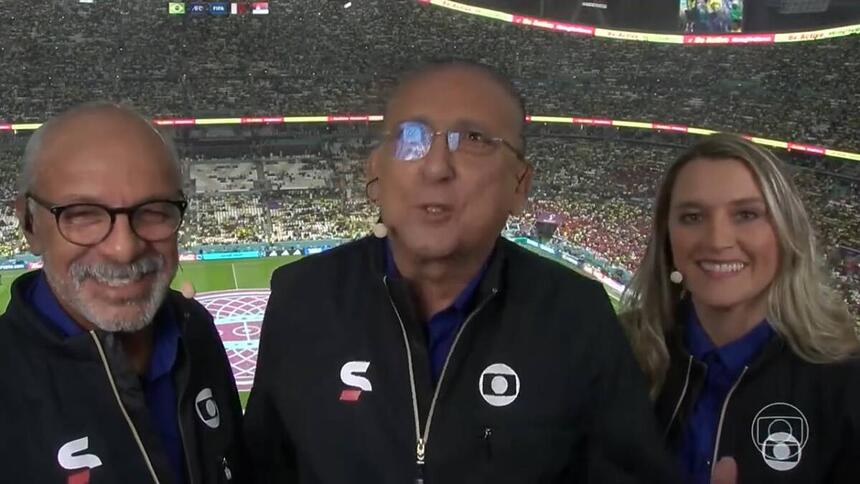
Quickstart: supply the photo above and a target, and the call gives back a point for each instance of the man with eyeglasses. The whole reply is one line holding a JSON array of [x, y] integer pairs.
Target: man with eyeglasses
[[107, 374], [437, 351]]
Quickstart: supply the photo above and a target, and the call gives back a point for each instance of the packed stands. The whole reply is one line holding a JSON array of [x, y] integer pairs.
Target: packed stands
[[601, 189], [313, 58], [296, 61]]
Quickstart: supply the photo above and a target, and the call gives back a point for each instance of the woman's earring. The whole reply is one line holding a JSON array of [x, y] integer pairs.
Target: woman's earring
[[380, 231]]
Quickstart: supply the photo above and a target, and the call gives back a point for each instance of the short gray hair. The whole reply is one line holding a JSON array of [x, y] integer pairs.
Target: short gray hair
[[26, 176]]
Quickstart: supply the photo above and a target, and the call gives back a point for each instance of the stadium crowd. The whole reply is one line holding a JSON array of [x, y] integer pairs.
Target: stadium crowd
[[311, 58], [300, 197], [321, 58], [600, 191]]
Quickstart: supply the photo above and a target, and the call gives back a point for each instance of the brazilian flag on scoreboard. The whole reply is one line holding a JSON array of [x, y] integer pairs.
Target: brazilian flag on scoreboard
[[176, 8]]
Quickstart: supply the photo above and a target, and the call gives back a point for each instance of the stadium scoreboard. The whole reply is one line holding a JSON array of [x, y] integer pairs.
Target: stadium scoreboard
[[217, 9]]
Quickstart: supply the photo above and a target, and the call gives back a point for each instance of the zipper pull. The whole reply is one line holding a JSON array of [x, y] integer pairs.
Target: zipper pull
[[488, 441], [227, 472], [419, 451], [419, 462]]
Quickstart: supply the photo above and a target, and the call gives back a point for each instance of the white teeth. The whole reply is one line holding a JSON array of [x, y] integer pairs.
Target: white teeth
[[434, 209], [118, 282], [722, 266]]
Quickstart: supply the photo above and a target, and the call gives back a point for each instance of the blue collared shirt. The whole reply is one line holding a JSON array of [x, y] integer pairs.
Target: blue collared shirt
[[443, 326], [724, 367], [158, 388]]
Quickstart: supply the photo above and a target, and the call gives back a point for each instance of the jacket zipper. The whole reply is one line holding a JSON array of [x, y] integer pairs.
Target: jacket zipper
[[680, 399], [723, 416], [122, 408], [421, 438], [488, 442], [181, 432]]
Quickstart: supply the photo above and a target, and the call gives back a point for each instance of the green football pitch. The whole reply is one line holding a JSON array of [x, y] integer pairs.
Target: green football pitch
[[210, 275], [236, 274]]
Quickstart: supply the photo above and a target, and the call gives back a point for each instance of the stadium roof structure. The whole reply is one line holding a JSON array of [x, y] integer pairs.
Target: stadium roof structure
[[681, 39], [375, 118]]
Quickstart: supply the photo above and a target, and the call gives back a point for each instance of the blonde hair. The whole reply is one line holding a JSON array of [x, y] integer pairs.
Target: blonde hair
[[807, 313]]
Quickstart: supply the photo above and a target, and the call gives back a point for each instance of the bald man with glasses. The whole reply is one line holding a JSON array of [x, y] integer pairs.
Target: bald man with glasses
[[108, 375]]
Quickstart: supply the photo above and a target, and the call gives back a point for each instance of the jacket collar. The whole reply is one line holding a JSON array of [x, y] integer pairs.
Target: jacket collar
[[491, 282], [679, 354], [27, 319]]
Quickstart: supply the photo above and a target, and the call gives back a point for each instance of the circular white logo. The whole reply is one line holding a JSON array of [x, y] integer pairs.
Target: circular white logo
[[780, 432], [207, 409], [499, 384]]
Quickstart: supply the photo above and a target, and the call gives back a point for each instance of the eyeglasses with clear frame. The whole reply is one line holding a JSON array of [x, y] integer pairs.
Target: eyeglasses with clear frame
[[413, 139]]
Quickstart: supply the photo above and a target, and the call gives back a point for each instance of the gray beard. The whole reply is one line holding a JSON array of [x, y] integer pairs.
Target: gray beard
[[69, 290]]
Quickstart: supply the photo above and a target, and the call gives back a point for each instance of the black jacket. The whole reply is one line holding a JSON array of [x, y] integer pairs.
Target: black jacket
[[784, 421], [540, 386], [75, 403]]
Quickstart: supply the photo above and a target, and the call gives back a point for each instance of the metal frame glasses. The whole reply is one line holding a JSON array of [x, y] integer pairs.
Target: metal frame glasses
[[413, 139], [88, 224]]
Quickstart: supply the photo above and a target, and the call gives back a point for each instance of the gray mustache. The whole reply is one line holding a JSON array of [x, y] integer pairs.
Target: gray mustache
[[110, 273]]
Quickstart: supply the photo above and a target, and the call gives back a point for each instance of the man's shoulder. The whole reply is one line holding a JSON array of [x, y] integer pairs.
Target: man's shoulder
[[11, 337], [188, 308], [20, 327], [326, 266], [7, 323], [195, 322], [544, 273], [571, 304], [26, 347]]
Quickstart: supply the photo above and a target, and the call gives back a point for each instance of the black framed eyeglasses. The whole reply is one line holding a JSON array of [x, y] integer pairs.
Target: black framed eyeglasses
[[413, 139], [88, 224]]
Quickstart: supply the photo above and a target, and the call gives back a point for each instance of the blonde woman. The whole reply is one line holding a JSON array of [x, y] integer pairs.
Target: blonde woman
[[750, 354]]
